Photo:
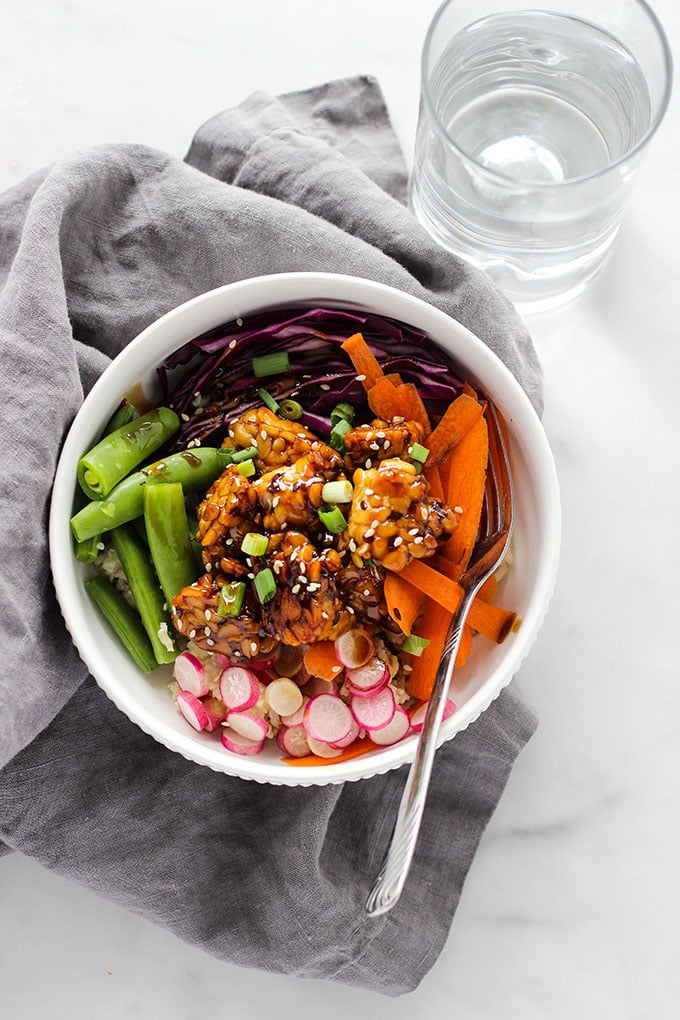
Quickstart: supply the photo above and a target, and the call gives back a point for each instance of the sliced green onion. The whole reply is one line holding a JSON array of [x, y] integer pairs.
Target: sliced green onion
[[268, 399], [419, 453], [291, 409], [246, 468], [254, 544], [271, 364], [332, 519], [337, 492], [415, 645], [343, 411], [240, 455], [231, 598], [265, 586], [338, 433]]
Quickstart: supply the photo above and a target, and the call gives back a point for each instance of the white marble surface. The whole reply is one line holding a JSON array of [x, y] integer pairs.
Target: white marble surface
[[571, 906]]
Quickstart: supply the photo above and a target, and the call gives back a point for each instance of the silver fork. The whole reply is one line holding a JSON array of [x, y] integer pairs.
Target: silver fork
[[491, 545]]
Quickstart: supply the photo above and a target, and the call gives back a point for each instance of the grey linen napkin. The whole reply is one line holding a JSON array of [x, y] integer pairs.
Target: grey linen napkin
[[92, 250]]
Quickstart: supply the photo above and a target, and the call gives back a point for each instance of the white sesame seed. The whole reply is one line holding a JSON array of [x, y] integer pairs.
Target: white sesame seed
[[207, 631], [386, 444], [251, 576], [370, 533], [210, 642], [367, 591], [263, 434], [185, 417], [208, 614], [397, 542], [374, 446], [458, 509], [360, 378], [380, 434], [208, 567], [352, 545], [414, 531], [350, 610], [100, 546], [239, 322], [418, 540], [229, 541], [179, 624], [253, 647], [192, 633], [295, 589], [324, 386], [231, 433], [369, 492], [324, 615], [275, 502], [369, 463]]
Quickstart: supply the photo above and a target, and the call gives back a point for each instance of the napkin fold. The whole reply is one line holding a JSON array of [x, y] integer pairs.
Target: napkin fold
[[93, 249]]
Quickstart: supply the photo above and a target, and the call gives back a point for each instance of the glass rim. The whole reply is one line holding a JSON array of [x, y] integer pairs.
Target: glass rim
[[530, 185]]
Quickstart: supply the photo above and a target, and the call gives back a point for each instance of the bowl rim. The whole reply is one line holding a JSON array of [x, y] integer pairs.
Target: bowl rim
[[148, 348]]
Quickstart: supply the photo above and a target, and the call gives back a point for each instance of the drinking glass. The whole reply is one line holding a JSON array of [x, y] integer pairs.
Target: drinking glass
[[533, 121]]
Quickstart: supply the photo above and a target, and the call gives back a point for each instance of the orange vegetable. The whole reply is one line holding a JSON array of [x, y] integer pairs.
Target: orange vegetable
[[464, 476], [434, 626], [363, 359], [359, 747], [457, 420], [388, 399], [431, 472], [404, 602], [320, 660]]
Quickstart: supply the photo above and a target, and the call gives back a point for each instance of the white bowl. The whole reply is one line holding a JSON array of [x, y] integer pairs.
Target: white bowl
[[527, 587]]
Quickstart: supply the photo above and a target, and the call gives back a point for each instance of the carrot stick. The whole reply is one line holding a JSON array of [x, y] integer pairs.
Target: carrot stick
[[388, 400], [465, 646], [404, 602], [353, 751], [363, 359], [457, 420], [434, 626], [320, 660], [382, 398], [464, 476]]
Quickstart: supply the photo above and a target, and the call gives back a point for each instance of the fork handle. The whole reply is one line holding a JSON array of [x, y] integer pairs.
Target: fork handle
[[395, 868]]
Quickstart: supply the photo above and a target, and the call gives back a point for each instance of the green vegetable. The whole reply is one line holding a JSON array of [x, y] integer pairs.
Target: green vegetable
[[415, 645], [237, 456], [134, 558], [119, 452], [337, 492], [291, 409], [254, 544], [332, 519], [167, 531], [418, 453], [231, 598], [87, 551], [246, 468], [342, 412], [194, 469], [122, 416], [338, 433], [268, 399], [124, 620], [271, 364], [265, 585]]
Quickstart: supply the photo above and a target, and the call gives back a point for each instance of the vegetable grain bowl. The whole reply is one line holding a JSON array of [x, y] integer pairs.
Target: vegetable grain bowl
[[260, 516]]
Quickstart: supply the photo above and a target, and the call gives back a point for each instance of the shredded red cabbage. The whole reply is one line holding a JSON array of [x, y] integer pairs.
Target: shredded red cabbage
[[210, 381]]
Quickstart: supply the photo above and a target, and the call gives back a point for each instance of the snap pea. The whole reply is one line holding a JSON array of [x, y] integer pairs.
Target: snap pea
[[123, 416], [134, 558], [119, 452], [167, 530], [87, 551], [193, 469], [125, 621]]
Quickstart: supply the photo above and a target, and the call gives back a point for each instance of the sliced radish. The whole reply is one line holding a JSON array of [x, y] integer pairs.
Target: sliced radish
[[354, 648], [295, 718], [293, 741], [239, 744], [354, 732], [327, 718], [370, 677], [323, 749], [375, 712], [248, 724], [190, 674], [239, 688], [284, 696], [395, 730], [418, 717], [217, 713], [193, 710]]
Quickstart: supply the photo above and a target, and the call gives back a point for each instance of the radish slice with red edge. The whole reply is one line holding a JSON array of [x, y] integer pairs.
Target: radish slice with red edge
[[248, 724], [295, 719], [193, 710], [327, 718], [240, 745], [354, 648], [239, 688], [372, 676], [418, 717], [189, 673], [375, 712], [283, 696], [396, 730], [293, 741], [354, 732], [323, 749]]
